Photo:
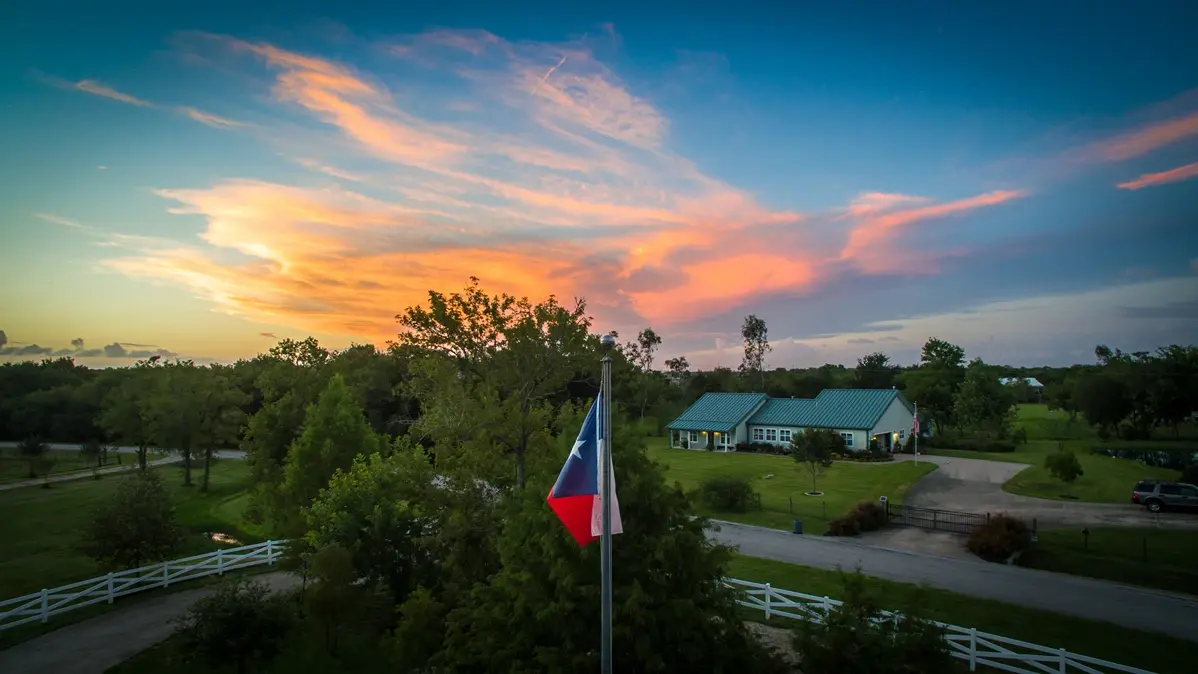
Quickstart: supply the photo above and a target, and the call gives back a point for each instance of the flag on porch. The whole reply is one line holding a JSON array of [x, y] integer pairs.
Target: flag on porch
[[576, 498]]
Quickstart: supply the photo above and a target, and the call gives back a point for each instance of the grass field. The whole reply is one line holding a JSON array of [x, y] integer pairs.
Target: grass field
[[41, 528], [15, 468], [1147, 650], [1105, 479], [1162, 558], [843, 485]]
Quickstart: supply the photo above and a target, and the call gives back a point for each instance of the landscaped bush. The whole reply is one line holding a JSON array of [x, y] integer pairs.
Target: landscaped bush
[[729, 494], [864, 457], [1000, 538], [865, 516], [762, 448], [1019, 437]]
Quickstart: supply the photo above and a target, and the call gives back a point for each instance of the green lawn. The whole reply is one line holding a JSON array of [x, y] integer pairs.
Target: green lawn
[[41, 528], [1105, 479], [1162, 558], [15, 468], [843, 485], [1087, 637]]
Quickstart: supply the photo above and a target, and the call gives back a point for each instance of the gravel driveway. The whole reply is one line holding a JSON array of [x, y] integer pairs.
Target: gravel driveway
[[975, 485]]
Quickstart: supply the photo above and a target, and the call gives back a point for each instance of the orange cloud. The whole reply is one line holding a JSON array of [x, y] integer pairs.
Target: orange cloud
[[1171, 176], [208, 118], [880, 223], [94, 87], [1143, 140]]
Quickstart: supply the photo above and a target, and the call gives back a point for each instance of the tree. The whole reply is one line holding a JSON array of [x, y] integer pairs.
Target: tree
[[757, 344], [813, 450], [136, 525], [334, 433], [671, 611], [335, 593], [679, 369], [941, 354], [1064, 466], [859, 637], [240, 621], [32, 449], [125, 412], [502, 349], [1103, 401], [874, 371], [934, 383], [983, 404], [640, 353], [1059, 396], [220, 417]]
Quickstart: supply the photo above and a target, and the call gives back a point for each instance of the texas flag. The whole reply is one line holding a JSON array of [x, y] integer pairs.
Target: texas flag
[[576, 497]]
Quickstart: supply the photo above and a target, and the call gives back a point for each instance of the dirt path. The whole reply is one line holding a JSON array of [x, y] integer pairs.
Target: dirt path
[[96, 644], [83, 474]]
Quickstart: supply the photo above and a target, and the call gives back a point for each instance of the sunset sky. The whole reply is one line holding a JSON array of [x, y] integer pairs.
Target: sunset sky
[[205, 179]]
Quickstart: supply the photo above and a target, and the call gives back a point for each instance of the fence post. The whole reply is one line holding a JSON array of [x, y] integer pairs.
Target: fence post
[[973, 649], [769, 593], [1064, 660], [827, 608], [109, 587], [45, 605], [220, 562], [934, 527], [166, 580], [270, 552]]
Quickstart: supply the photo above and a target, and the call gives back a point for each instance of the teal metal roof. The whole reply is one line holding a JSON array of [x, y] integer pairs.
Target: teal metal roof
[[785, 412], [852, 408], [717, 412]]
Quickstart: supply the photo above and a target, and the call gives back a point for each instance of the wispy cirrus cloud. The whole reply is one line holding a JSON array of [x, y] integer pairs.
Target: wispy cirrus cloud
[[208, 118], [100, 89], [97, 88], [1142, 140], [1163, 177], [553, 176]]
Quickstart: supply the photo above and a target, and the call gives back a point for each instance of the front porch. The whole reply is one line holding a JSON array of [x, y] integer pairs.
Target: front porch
[[721, 441]]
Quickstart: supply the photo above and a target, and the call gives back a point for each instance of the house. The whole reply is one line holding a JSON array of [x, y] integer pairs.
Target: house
[[1035, 388], [858, 415]]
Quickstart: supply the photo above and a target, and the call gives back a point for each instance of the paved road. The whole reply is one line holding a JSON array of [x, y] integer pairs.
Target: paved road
[[95, 644], [1152, 610], [68, 447], [975, 485]]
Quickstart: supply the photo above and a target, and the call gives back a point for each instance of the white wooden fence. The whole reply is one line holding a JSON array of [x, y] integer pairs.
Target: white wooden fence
[[41, 606], [968, 644], [976, 648]]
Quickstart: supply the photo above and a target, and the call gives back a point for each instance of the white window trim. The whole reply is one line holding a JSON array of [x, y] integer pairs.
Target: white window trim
[[848, 439], [784, 435], [758, 434]]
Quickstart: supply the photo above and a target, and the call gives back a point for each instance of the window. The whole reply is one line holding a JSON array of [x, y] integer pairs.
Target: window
[[784, 435], [771, 435], [758, 435], [1189, 491], [1171, 489], [848, 439], [902, 435], [694, 437]]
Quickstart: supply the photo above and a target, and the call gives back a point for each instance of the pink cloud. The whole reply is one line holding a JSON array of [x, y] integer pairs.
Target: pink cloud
[[208, 118], [99, 89], [1143, 140], [1171, 176]]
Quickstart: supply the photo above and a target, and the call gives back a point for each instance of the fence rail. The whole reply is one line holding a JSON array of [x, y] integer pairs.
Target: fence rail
[[937, 520], [41, 606], [976, 648], [968, 644]]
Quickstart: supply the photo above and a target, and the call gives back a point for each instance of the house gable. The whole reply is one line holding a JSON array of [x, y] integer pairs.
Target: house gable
[[718, 412]]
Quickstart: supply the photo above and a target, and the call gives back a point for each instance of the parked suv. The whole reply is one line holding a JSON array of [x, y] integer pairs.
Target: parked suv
[[1157, 495]]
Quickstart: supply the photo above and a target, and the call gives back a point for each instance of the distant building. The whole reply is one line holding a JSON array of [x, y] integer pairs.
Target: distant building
[[858, 415], [1032, 383]]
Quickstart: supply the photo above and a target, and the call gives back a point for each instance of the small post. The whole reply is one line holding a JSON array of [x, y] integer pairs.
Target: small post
[[166, 579], [768, 595], [270, 552], [1064, 661], [973, 649], [110, 587], [45, 605], [220, 562], [1086, 539], [792, 504]]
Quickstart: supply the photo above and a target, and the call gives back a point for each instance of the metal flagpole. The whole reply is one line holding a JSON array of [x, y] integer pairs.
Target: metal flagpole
[[605, 542], [916, 429]]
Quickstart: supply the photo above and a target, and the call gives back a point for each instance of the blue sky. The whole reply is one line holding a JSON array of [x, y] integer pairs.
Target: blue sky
[[1021, 180]]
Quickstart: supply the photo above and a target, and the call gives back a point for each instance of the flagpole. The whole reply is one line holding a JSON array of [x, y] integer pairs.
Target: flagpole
[[605, 542], [917, 429]]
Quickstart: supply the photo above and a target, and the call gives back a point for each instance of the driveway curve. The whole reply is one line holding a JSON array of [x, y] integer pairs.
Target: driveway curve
[[975, 485]]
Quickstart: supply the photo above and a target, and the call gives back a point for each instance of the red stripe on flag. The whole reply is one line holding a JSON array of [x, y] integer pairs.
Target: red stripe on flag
[[575, 513]]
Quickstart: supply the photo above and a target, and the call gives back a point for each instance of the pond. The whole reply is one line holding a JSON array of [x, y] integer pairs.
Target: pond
[[1157, 458]]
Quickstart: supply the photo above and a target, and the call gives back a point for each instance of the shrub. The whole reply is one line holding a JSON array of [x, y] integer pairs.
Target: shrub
[[1019, 437], [865, 457], [983, 446], [240, 622], [1190, 474], [729, 494], [858, 636], [1000, 538], [865, 516]]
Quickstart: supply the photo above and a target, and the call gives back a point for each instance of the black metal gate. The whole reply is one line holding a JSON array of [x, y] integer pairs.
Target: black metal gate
[[937, 520]]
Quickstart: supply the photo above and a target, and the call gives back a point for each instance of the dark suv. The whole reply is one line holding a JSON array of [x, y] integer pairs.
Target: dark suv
[[1158, 495]]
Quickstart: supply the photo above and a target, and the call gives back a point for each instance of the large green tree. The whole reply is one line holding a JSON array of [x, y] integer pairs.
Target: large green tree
[[136, 525], [671, 612], [126, 413], [982, 404], [757, 345], [874, 371], [933, 384]]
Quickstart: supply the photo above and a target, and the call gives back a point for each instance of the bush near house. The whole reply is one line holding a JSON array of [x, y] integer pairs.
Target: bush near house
[[762, 448], [729, 494], [865, 516], [1000, 538]]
